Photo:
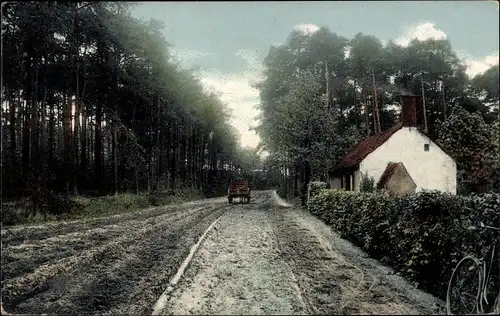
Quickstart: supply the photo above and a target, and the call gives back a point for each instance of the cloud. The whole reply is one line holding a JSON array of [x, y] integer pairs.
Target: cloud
[[421, 31], [476, 66], [347, 51], [186, 57], [253, 63], [427, 30], [236, 91], [306, 28]]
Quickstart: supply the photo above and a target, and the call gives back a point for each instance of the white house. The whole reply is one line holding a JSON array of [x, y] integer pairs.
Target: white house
[[402, 159]]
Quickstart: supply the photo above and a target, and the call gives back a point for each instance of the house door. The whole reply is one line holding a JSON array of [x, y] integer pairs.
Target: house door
[[347, 181]]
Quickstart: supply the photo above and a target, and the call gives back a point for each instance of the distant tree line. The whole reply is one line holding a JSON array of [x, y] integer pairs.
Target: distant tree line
[[92, 103]]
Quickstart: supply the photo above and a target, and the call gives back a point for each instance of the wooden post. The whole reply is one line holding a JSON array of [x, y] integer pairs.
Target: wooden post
[[377, 128]]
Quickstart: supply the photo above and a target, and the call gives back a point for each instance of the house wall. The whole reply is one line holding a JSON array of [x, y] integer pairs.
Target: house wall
[[357, 180], [334, 182], [431, 170], [400, 182]]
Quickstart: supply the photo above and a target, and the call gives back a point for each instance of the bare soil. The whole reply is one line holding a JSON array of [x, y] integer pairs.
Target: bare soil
[[266, 257], [119, 264]]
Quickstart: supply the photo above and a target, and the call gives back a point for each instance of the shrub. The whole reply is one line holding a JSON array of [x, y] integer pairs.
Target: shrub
[[314, 187], [367, 183], [50, 206], [46, 202], [12, 215], [422, 235]]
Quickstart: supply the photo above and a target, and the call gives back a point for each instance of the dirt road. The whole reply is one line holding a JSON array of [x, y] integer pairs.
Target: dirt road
[[259, 258]]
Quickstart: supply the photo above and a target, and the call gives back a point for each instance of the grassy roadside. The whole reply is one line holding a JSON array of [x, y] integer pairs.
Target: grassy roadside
[[14, 213]]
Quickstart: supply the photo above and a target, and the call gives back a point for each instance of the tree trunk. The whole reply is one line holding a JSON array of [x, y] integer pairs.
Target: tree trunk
[[192, 158], [202, 162], [176, 162], [42, 135], [83, 148], [367, 115], [307, 178], [375, 106], [98, 148], [114, 160], [83, 131], [34, 159], [149, 155], [184, 141], [168, 155], [12, 128], [443, 101], [296, 180], [327, 79], [354, 92], [76, 133], [91, 143], [26, 120], [67, 141], [68, 111], [189, 156], [51, 133], [158, 149]]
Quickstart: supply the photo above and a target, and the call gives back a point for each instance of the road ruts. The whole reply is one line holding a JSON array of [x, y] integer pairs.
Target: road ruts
[[117, 265]]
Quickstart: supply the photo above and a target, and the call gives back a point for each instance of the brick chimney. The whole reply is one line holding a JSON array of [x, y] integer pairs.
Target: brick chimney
[[409, 109]]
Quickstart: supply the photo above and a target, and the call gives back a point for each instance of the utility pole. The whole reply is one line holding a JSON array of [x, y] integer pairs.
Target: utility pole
[[423, 105], [377, 127]]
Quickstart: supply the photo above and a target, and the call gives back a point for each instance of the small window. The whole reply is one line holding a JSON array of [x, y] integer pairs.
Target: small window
[[426, 147]]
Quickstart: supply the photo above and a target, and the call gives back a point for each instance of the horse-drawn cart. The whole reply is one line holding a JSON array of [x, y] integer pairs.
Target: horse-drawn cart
[[239, 189]]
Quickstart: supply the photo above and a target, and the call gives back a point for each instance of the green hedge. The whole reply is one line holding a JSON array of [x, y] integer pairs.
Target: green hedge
[[422, 236], [314, 187]]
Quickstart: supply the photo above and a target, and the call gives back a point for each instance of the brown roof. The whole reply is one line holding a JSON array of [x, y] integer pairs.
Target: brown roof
[[388, 172], [365, 147]]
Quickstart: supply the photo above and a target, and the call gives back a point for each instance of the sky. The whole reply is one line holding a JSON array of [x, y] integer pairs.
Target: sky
[[228, 41]]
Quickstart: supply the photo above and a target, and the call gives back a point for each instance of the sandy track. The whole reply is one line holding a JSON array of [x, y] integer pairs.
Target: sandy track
[[338, 278], [259, 259], [238, 270], [118, 264], [277, 260]]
